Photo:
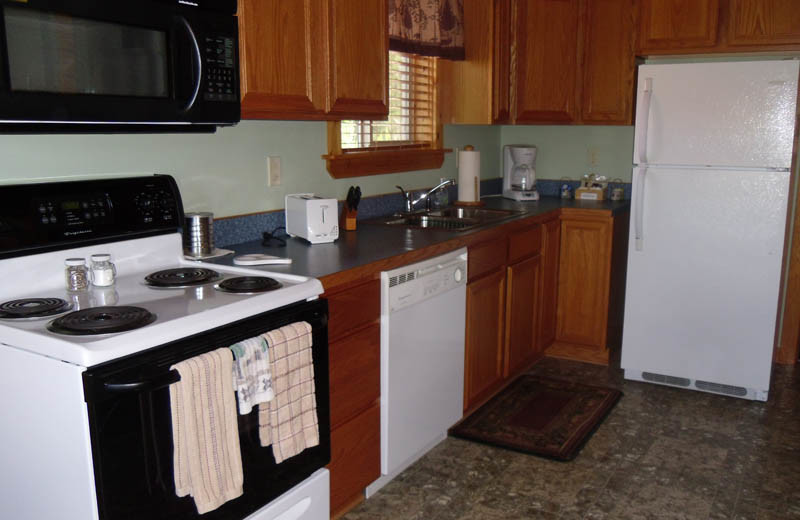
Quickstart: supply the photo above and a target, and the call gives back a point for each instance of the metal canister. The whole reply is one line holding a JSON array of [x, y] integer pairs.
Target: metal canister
[[198, 234]]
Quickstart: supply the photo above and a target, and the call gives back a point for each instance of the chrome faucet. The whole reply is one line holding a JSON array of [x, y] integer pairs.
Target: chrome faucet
[[407, 196]]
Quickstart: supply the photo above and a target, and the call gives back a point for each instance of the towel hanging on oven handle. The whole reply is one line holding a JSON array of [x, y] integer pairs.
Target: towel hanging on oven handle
[[154, 383]]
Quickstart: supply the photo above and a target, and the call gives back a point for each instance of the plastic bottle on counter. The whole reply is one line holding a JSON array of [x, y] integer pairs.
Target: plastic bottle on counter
[[103, 270], [76, 274]]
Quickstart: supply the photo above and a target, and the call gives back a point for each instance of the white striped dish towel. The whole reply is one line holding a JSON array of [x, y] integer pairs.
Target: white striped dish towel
[[207, 457]]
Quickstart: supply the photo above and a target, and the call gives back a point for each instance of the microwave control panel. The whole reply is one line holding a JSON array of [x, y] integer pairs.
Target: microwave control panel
[[220, 68]]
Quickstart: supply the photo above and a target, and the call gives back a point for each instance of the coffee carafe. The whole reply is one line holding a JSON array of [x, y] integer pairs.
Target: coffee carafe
[[519, 173]]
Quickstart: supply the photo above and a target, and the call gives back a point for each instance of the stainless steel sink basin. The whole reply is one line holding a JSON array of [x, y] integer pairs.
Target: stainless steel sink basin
[[475, 213], [451, 219]]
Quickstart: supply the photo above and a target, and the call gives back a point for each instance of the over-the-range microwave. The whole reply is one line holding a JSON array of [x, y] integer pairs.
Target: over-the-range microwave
[[100, 65]]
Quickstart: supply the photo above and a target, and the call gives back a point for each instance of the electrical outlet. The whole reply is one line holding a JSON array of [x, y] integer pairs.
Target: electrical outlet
[[273, 170], [593, 156]]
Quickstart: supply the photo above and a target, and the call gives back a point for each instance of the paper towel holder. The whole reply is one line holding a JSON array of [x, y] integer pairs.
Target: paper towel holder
[[469, 178]]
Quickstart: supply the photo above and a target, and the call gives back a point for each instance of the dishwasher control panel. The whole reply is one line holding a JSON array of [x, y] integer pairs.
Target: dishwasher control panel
[[408, 285]]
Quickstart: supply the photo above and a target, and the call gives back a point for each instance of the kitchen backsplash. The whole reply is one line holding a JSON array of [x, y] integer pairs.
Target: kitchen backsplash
[[235, 230]]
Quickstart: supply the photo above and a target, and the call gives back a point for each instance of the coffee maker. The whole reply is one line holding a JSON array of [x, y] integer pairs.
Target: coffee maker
[[519, 175]]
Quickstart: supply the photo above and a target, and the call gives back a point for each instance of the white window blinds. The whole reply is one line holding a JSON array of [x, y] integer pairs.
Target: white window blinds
[[412, 95]]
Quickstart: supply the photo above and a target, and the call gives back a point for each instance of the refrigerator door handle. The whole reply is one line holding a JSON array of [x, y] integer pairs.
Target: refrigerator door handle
[[643, 120], [638, 209]]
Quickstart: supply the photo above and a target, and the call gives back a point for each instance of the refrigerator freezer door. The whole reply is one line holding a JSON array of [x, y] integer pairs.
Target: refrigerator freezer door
[[702, 293], [695, 117]]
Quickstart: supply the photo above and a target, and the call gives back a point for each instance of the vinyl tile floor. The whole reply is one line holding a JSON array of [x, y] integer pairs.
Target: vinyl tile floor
[[662, 453]]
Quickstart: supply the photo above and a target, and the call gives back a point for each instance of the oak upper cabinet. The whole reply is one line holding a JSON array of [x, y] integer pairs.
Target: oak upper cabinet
[[313, 59], [763, 22], [677, 24], [718, 26], [545, 60], [283, 51], [476, 90], [359, 54], [608, 65]]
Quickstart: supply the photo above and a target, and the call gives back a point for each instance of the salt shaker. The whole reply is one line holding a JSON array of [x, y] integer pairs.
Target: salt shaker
[[103, 270], [76, 274]]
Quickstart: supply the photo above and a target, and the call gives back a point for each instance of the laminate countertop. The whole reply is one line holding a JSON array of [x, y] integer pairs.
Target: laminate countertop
[[373, 248]]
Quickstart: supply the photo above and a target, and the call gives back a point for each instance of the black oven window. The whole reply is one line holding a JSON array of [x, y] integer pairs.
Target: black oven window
[[55, 53]]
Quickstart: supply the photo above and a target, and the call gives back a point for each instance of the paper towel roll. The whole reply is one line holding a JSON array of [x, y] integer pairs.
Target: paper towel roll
[[469, 175]]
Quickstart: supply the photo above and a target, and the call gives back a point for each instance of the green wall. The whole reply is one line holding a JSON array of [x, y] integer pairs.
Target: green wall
[[569, 151], [225, 172]]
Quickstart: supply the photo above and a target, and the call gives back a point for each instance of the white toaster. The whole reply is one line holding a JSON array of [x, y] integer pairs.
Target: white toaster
[[311, 217]]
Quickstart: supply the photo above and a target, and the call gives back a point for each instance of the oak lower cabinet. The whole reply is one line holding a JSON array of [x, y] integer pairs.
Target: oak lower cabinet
[[483, 363], [354, 358], [591, 284], [522, 314], [551, 244], [503, 302], [313, 59]]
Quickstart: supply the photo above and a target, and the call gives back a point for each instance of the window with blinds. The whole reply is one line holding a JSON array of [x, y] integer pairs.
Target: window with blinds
[[412, 94]]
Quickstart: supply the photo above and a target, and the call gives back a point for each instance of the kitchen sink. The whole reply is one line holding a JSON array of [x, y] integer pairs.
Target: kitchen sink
[[450, 219]]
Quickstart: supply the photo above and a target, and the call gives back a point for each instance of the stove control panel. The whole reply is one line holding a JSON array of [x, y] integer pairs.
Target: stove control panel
[[74, 212], [51, 216]]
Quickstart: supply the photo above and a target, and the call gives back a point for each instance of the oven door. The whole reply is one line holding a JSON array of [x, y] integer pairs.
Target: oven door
[[131, 431], [98, 62]]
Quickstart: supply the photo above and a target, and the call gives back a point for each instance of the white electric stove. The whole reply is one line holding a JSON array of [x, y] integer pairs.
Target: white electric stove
[[179, 312], [86, 406]]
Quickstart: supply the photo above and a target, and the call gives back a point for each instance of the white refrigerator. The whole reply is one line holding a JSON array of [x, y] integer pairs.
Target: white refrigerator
[[712, 165]]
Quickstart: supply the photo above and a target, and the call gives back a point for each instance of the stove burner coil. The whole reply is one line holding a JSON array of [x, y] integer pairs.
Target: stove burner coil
[[182, 277], [33, 308], [249, 284], [101, 320]]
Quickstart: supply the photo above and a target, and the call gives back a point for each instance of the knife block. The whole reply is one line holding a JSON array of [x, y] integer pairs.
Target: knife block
[[348, 220]]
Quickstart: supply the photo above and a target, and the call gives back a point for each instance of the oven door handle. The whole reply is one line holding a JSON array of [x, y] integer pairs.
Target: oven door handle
[[147, 385]]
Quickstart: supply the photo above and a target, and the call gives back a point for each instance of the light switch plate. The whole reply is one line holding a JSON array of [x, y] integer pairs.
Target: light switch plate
[[273, 170]]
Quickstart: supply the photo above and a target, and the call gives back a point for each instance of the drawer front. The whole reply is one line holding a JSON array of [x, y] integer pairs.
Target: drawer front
[[355, 457], [355, 369], [486, 257], [352, 308], [525, 243]]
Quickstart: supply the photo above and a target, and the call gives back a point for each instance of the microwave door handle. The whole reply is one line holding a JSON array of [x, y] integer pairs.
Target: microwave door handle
[[198, 61], [147, 385]]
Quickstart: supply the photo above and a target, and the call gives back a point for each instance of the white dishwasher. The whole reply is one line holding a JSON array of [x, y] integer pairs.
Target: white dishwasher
[[423, 309]]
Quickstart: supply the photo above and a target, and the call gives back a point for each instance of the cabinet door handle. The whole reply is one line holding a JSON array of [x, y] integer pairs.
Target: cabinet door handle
[[643, 119], [638, 209]]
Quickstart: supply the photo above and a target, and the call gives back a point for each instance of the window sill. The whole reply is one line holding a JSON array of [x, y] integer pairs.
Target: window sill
[[360, 164]]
